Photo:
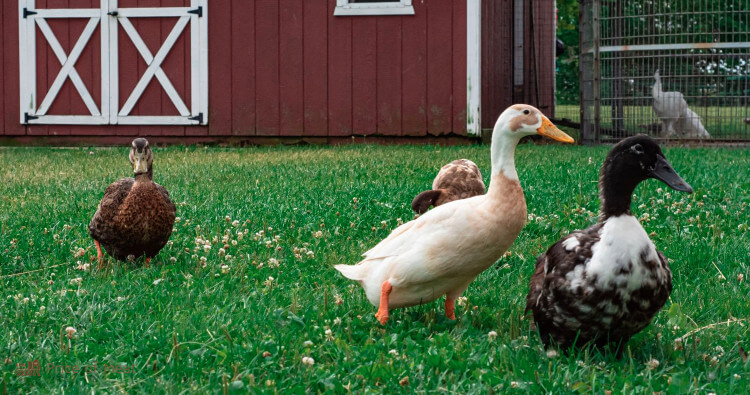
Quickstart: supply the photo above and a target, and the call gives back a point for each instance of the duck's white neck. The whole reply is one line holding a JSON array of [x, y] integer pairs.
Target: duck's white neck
[[503, 151]]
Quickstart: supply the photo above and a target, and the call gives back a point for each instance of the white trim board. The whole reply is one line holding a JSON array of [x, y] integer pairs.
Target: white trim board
[[474, 67], [346, 8], [106, 18]]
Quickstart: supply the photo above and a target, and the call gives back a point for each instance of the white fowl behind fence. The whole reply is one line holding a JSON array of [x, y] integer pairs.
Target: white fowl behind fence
[[700, 47], [677, 119]]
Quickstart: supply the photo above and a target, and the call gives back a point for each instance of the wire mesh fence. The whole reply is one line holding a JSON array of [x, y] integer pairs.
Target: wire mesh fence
[[671, 69]]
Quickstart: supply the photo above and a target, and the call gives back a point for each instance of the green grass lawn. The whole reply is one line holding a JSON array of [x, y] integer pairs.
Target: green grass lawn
[[243, 316], [721, 122]]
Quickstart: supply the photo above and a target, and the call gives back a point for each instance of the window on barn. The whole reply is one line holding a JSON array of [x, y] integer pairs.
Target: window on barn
[[373, 7]]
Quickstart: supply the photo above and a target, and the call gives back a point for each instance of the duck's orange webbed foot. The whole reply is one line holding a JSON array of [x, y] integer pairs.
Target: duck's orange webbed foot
[[382, 314], [450, 308], [98, 254]]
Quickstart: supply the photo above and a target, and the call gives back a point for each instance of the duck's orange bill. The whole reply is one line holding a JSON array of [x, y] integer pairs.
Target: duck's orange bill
[[549, 130]]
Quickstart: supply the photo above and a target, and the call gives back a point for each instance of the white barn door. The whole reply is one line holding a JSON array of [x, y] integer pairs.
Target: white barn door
[[110, 19]]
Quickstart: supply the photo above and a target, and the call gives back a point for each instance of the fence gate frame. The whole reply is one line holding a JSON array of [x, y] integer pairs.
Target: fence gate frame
[[107, 17]]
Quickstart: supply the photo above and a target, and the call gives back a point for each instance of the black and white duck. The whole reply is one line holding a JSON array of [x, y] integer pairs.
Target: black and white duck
[[136, 216], [459, 179], [605, 283]]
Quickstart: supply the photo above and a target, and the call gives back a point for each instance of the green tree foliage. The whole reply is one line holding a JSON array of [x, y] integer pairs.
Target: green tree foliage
[[567, 63]]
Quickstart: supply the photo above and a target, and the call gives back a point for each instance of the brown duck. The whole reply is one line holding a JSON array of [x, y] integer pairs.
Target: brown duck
[[459, 179], [136, 215]]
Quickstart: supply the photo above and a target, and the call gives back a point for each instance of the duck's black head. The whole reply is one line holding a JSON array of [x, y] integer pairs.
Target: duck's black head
[[631, 161], [141, 157]]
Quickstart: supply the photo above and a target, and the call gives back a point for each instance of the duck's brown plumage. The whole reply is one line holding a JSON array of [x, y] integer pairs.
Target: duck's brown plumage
[[135, 216], [459, 179]]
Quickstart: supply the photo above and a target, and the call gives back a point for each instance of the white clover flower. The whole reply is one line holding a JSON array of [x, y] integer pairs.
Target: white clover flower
[[76, 281], [337, 321], [678, 344], [492, 335], [224, 269], [307, 343], [269, 281], [552, 353], [273, 263], [235, 223], [70, 332], [652, 364], [393, 352], [308, 361]]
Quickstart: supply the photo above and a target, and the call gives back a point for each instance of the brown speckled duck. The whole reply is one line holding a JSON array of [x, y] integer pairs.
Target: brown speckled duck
[[136, 215], [459, 179]]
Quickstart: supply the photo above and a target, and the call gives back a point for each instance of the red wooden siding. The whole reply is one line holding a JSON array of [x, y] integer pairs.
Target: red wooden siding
[[290, 68]]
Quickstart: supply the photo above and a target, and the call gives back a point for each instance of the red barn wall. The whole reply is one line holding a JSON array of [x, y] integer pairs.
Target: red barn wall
[[276, 68]]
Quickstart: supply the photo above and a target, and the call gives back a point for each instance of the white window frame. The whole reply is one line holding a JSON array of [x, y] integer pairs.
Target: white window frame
[[109, 110], [345, 8]]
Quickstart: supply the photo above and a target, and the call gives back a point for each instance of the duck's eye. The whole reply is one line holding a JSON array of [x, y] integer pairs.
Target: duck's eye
[[526, 112], [637, 149]]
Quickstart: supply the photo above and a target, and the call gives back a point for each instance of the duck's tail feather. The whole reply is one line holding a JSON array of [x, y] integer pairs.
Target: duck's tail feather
[[352, 272]]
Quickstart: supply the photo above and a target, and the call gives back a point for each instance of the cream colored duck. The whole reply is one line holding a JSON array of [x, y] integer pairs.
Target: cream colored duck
[[441, 252]]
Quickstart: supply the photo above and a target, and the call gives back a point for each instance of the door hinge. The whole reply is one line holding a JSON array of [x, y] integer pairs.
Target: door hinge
[[27, 12], [27, 117], [198, 118], [113, 13], [198, 11]]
